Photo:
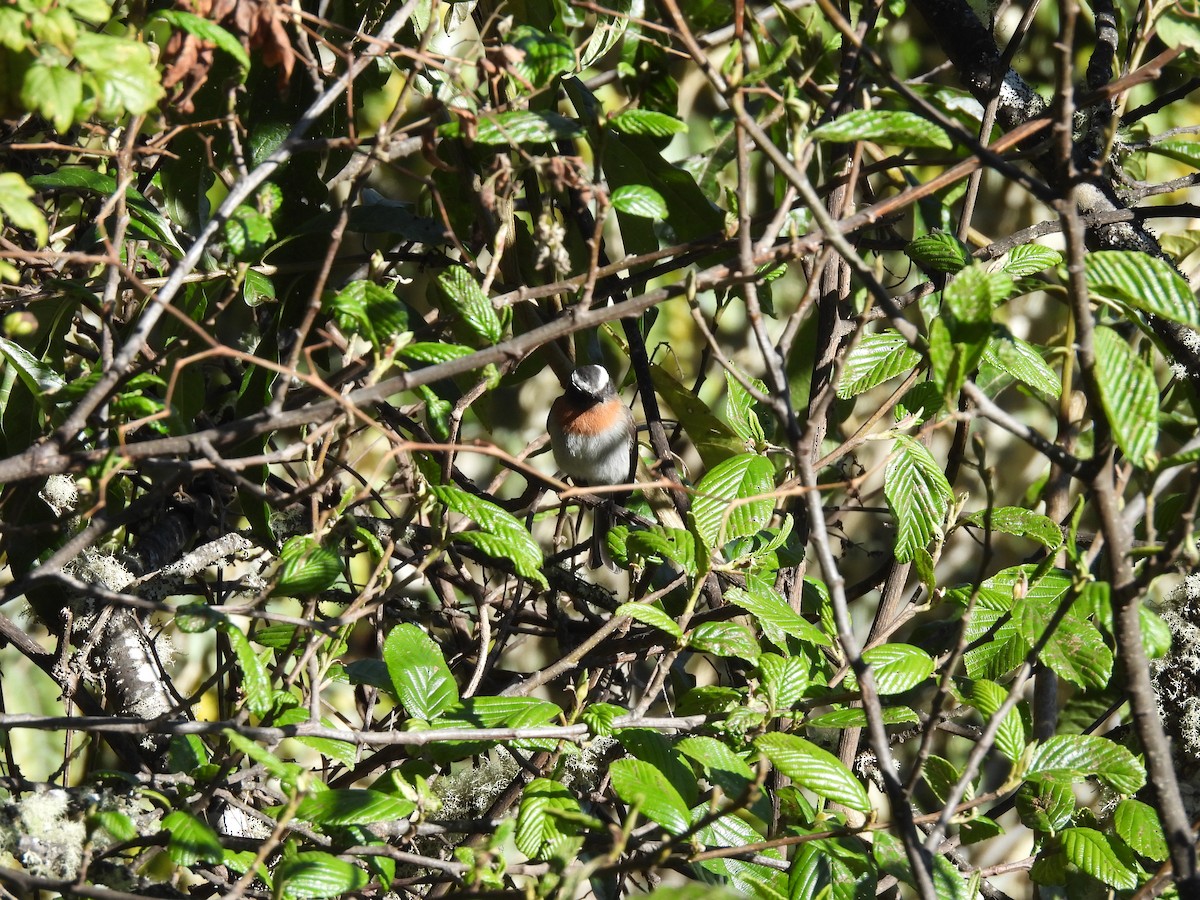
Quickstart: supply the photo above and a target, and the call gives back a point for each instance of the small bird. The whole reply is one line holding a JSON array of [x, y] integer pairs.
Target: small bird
[[595, 442]]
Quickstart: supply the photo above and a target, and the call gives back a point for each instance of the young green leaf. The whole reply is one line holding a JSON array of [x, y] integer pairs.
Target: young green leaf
[[1029, 259], [901, 129], [1143, 282], [1138, 826], [1020, 522], [306, 567], [471, 306], [538, 826], [939, 251], [647, 121], [640, 784], [1022, 362], [502, 535], [896, 667], [988, 697], [651, 615], [777, 618], [1093, 853], [256, 683], [1129, 396], [816, 769], [420, 678], [918, 494], [877, 358], [352, 807], [191, 840], [724, 639], [317, 874], [720, 521], [1076, 757]]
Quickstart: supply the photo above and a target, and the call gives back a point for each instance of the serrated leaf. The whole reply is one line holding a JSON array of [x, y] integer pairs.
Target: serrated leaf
[[773, 613], [816, 769], [470, 304], [1129, 396], [1076, 651], [1029, 259], [542, 56], [724, 639], [724, 767], [941, 776], [207, 30], [1045, 805], [988, 697], [256, 683], [54, 91], [783, 679], [286, 772], [429, 352], [317, 874], [918, 494], [939, 251], [896, 667], [420, 677], [1092, 853], [675, 544], [652, 616], [647, 121], [537, 826], [502, 535], [640, 200], [740, 412], [1138, 826], [1077, 757], [518, 127], [1020, 522], [856, 717], [832, 869], [639, 783], [1143, 282], [369, 309], [352, 807], [877, 358], [902, 129], [718, 519], [306, 567], [191, 840], [123, 71], [1021, 361]]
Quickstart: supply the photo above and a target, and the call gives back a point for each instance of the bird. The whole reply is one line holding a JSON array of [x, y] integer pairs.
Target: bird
[[595, 442]]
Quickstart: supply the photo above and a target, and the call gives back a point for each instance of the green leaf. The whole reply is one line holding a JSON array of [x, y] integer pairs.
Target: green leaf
[[1129, 396], [247, 232], [1021, 361], [306, 567], [902, 129], [896, 667], [918, 494], [639, 200], [517, 127], [652, 616], [317, 874], [816, 769], [1076, 651], [16, 206], [968, 302], [372, 310], [832, 869], [773, 613], [118, 824], [191, 840], [538, 827], [207, 30], [1077, 757], [722, 765], [714, 440], [420, 678], [1092, 852], [1045, 805], [1138, 826], [144, 218], [740, 412], [1020, 522], [55, 92], [1186, 152], [502, 535], [658, 543], [123, 71], [256, 683], [647, 121], [877, 358], [939, 251], [353, 807], [640, 784], [1143, 282], [717, 518], [988, 697], [428, 352], [856, 717], [285, 772], [41, 380], [783, 679], [257, 289], [470, 304], [724, 639], [542, 56], [1029, 259]]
